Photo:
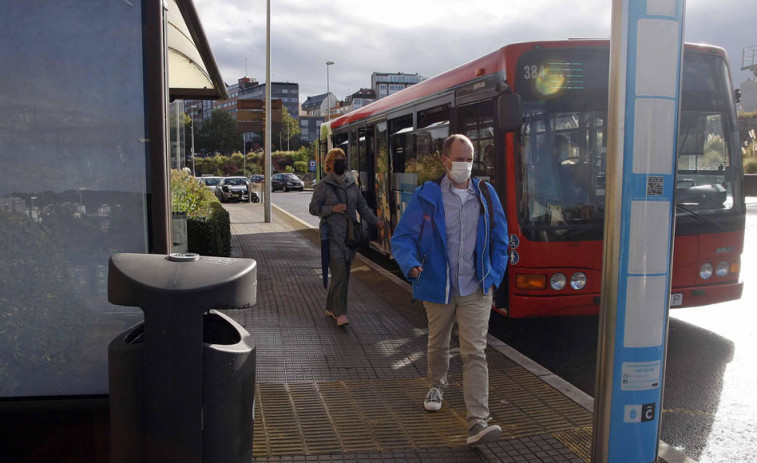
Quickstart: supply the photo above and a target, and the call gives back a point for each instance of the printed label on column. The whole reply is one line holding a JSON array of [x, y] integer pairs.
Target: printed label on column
[[640, 376], [639, 413]]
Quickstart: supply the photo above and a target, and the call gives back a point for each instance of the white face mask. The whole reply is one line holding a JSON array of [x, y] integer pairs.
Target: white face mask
[[460, 171]]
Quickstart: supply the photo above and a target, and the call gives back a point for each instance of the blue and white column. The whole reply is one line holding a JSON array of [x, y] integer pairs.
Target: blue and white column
[[646, 53]]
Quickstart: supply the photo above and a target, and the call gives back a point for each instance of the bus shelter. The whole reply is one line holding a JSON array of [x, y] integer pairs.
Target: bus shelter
[[84, 153]]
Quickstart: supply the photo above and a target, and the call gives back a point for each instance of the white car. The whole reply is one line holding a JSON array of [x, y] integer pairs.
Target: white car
[[210, 182]]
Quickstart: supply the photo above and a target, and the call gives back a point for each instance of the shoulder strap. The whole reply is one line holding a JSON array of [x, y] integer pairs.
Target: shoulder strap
[[347, 215], [485, 190]]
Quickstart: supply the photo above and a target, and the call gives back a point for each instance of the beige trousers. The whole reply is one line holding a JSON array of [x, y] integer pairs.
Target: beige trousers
[[472, 316]]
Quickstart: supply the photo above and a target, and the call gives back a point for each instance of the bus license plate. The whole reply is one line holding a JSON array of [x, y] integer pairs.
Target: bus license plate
[[676, 299]]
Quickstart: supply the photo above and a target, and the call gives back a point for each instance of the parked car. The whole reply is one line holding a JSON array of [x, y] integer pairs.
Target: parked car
[[286, 182], [233, 189], [210, 182], [257, 178]]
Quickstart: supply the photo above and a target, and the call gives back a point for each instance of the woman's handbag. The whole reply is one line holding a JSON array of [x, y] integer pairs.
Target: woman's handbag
[[358, 235]]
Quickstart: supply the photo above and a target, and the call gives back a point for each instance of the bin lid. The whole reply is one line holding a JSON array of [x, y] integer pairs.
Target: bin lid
[[190, 281]]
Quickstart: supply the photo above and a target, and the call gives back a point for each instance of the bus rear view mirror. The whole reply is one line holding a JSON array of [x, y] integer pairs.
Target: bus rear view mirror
[[510, 112]]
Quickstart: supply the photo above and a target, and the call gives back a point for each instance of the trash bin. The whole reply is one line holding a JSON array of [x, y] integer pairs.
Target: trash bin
[[182, 383]]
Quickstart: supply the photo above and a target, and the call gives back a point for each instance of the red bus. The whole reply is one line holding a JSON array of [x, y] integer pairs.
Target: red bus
[[556, 217]]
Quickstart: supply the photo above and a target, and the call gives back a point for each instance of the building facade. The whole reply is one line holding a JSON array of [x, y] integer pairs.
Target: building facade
[[385, 83], [246, 88], [310, 127], [357, 100], [319, 105]]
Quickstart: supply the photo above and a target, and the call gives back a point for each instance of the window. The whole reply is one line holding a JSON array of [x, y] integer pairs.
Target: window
[[74, 190], [433, 129]]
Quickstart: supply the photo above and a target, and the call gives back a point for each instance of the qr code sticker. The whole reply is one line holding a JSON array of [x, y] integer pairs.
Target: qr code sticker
[[654, 186]]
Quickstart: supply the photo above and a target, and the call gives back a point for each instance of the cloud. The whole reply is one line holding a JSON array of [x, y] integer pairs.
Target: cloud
[[427, 37]]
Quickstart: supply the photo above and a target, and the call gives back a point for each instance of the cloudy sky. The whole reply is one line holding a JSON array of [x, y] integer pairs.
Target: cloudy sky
[[423, 36]]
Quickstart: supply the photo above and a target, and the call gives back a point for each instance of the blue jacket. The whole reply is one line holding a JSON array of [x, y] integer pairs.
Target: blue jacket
[[421, 239]]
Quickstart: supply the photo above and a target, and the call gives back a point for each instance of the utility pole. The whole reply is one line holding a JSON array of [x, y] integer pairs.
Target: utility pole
[[328, 92]]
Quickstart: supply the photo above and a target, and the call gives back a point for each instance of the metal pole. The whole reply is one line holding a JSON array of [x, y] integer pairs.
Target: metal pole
[[244, 157], [268, 112], [179, 142], [328, 92], [191, 118]]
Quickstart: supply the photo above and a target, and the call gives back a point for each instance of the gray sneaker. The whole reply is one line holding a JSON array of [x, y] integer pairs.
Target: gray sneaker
[[483, 434], [433, 400]]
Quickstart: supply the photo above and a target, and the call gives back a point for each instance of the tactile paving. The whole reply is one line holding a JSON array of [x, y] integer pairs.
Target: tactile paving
[[388, 415]]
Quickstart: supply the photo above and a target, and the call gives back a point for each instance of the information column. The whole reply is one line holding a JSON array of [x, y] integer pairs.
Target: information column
[[646, 52]]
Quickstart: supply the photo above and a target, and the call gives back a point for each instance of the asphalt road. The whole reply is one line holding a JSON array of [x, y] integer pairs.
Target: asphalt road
[[709, 407]]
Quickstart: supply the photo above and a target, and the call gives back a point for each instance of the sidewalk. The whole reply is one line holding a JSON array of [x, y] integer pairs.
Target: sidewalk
[[355, 393]]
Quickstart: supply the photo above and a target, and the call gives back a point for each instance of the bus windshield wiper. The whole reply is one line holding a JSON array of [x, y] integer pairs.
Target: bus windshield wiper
[[699, 216]]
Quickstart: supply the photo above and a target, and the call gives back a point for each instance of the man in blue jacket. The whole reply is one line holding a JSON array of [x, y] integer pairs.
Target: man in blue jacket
[[451, 243]]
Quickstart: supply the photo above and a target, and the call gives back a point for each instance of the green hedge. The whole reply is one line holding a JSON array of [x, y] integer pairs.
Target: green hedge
[[210, 235], [208, 225]]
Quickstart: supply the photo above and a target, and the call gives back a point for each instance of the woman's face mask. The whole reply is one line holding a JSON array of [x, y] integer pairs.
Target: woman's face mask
[[340, 166]]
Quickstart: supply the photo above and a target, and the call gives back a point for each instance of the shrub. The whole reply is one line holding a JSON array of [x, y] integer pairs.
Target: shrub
[[750, 167], [300, 166], [208, 224], [210, 235], [190, 196]]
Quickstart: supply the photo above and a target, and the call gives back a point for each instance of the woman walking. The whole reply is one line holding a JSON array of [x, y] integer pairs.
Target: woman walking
[[335, 200]]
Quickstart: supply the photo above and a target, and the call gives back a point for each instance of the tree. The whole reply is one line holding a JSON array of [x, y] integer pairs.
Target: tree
[[286, 134], [220, 133]]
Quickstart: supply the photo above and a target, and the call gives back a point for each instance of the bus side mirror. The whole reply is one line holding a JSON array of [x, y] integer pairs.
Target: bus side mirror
[[509, 112]]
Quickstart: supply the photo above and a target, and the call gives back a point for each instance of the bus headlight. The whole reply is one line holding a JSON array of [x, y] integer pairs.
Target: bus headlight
[[722, 269], [557, 282], [705, 271], [578, 280]]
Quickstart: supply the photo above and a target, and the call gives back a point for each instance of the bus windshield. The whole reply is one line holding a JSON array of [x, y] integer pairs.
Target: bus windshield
[[561, 193]]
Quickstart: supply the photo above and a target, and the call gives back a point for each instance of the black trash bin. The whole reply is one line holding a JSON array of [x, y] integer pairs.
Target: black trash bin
[[182, 383]]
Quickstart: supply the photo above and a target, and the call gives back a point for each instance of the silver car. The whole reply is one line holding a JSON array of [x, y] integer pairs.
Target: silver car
[[233, 189]]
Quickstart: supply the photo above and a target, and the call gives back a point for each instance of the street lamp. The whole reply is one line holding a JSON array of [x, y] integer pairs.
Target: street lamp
[[328, 92]]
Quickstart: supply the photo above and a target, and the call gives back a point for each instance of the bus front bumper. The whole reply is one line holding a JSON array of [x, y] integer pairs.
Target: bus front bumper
[[588, 304]]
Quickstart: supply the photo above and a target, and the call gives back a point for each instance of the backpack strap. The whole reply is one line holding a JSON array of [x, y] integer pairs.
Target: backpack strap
[[488, 196]]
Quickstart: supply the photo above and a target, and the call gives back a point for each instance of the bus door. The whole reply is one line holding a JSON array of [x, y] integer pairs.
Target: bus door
[[381, 183], [365, 167], [476, 122], [401, 147]]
